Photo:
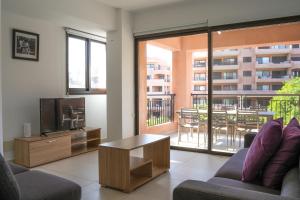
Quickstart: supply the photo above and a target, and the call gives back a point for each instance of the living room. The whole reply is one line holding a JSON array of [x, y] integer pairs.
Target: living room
[[113, 110]]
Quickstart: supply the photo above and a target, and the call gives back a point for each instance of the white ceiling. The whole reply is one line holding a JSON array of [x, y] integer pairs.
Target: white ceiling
[[133, 5]]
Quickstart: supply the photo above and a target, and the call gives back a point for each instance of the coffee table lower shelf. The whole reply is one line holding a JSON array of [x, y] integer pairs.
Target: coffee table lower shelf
[[119, 170]]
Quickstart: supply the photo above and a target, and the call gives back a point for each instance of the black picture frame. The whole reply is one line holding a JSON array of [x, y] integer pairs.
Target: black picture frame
[[25, 45]]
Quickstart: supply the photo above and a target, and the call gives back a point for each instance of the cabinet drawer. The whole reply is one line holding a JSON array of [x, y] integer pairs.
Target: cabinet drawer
[[49, 150]]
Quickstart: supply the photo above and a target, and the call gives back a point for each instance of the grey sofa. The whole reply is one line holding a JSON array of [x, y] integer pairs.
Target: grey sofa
[[35, 185], [226, 184]]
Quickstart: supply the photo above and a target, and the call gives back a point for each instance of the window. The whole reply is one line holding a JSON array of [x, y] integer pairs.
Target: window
[[247, 87], [86, 65], [263, 87], [247, 73], [263, 60], [229, 87], [199, 77], [199, 63], [279, 59], [295, 58], [295, 46], [199, 88], [247, 59], [276, 87], [230, 75]]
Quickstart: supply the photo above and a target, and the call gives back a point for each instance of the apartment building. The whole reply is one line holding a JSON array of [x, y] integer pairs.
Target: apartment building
[[158, 77], [260, 71]]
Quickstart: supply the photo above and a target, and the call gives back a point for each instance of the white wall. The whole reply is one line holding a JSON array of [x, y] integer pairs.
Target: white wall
[[24, 82], [1, 128], [217, 12]]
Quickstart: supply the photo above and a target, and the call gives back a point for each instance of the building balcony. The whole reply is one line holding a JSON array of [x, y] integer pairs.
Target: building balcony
[[225, 67], [227, 52], [272, 51], [271, 79], [158, 71], [158, 82], [200, 81], [283, 65], [219, 81], [295, 51]]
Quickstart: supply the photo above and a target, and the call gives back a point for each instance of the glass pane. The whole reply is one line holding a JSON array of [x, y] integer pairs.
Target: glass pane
[[98, 65], [173, 89], [77, 63], [247, 94]]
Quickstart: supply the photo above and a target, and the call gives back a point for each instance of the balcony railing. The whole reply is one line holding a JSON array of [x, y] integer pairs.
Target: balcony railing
[[283, 105], [160, 109]]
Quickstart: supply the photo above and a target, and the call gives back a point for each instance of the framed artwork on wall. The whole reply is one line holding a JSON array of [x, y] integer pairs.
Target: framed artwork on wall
[[25, 45]]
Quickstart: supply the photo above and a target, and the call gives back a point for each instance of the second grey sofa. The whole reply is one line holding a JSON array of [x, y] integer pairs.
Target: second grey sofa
[[227, 184]]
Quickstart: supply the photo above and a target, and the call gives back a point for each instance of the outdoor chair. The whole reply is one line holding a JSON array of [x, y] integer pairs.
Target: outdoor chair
[[190, 119], [221, 123], [246, 121]]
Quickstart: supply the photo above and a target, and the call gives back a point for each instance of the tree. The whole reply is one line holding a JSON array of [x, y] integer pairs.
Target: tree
[[287, 106]]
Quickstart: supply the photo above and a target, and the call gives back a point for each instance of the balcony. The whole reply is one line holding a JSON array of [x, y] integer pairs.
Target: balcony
[[225, 80], [270, 65], [158, 82], [221, 66], [268, 79], [226, 52], [272, 51]]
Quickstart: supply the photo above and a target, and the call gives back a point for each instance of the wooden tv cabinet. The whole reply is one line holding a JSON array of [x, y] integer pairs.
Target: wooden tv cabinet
[[121, 169], [38, 150]]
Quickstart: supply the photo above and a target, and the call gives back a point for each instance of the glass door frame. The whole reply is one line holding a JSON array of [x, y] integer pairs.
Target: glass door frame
[[209, 31]]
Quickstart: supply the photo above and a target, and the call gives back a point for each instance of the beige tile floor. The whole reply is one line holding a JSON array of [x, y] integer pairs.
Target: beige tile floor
[[83, 169]]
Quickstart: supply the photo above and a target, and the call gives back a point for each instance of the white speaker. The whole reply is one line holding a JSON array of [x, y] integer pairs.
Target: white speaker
[[27, 129]]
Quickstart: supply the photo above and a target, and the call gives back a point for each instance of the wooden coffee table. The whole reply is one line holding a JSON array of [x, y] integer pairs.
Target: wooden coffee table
[[120, 170]]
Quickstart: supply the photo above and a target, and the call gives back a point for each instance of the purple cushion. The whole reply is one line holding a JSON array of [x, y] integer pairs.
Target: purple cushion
[[264, 145], [285, 158]]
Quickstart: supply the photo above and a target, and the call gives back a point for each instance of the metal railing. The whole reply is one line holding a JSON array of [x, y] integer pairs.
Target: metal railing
[[160, 109], [283, 105]]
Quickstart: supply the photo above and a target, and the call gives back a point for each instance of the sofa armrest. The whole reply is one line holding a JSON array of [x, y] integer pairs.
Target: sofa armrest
[[17, 169], [198, 190], [248, 139]]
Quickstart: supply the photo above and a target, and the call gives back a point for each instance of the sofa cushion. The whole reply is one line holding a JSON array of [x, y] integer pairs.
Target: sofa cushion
[[9, 189], [291, 185], [233, 167], [16, 169], [239, 184], [46, 186], [264, 145], [285, 158]]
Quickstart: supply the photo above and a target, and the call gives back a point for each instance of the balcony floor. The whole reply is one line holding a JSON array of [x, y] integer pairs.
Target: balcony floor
[[219, 144]]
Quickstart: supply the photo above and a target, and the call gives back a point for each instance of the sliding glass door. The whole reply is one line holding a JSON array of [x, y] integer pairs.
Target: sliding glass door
[[208, 90], [173, 89]]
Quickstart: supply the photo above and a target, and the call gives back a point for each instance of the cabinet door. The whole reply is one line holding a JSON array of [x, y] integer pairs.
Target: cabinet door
[[49, 150]]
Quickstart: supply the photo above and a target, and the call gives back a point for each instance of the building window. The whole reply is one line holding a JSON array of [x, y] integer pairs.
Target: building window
[[86, 65], [276, 87], [199, 88], [199, 77], [263, 60], [295, 46], [295, 58], [247, 73], [247, 87], [217, 87], [229, 87], [247, 59], [199, 63], [263, 87], [279, 59]]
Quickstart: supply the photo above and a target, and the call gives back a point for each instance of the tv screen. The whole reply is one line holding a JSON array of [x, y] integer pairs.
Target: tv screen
[[58, 114]]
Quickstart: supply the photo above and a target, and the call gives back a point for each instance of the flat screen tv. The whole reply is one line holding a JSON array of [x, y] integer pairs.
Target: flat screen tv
[[59, 114]]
